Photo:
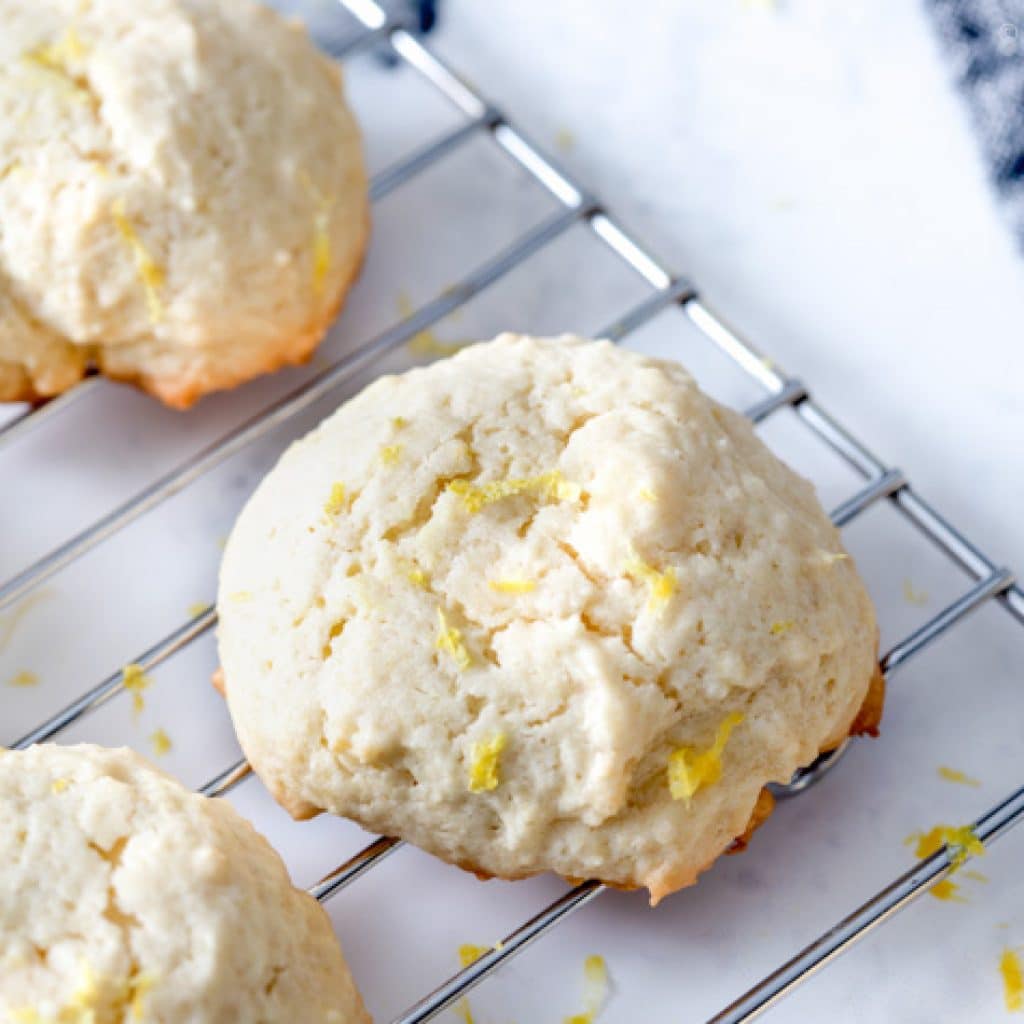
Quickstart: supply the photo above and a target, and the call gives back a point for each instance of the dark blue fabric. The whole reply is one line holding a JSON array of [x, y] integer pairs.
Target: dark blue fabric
[[985, 40]]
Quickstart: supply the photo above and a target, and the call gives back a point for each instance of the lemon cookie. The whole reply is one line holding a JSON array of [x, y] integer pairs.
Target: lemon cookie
[[183, 201], [542, 606], [126, 897]]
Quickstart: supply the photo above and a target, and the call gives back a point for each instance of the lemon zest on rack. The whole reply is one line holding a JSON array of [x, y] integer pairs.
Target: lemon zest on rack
[[197, 608], [469, 954], [689, 768], [135, 682], [24, 678], [449, 639], [960, 842], [483, 769]]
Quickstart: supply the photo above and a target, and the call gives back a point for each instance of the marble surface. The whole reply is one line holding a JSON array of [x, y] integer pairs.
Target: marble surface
[[809, 165]]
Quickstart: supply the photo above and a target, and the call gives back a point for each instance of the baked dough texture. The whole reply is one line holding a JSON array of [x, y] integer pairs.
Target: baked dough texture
[[183, 201], [541, 606], [124, 897]]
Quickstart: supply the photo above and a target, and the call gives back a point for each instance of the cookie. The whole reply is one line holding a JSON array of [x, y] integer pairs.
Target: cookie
[[183, 202], [123, 896], [543, 606]]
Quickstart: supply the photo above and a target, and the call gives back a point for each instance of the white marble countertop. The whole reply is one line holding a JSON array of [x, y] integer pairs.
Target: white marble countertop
[[810, 166]]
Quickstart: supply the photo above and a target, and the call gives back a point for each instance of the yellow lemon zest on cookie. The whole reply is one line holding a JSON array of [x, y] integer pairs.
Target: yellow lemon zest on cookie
[[960, 842], [781, 627], [161, 742], [662, 585], [398, 422], [468, 953], [483, 770], [912, 596], [58, 786], [14, 169], [449, 639], [595, 990], [322, 256], [390, 454], [646, 494], [149, 271], [550, 486], [240, 596], [954, 775], [831, 557], [26, 1015], [24, 678], [417, 577], [54, 60], [135, 682], [335, 502], [512, 586], [689, 769], [139, 986], [1013, 980], [197, 608]]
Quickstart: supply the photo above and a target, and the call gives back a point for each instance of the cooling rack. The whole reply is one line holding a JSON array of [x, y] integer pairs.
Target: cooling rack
[[984, 580]]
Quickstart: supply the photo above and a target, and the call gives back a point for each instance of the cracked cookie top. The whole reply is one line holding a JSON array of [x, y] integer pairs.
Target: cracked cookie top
[[124, 897], [182, 194], [541, 606]]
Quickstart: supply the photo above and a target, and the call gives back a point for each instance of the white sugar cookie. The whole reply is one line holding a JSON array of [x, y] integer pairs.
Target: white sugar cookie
[[182, 194], [541, 606], [123, 896]]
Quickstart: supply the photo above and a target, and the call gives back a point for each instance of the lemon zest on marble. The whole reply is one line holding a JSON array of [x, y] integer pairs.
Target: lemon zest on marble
[[24, 678], [512, 586], [954, 775], [689, 768], [1013, 980], [483, 769], [426, 342], [135, 682], [661, 585], [449, 639], [335, 502], [150, 273], [161, 742], [595, 990], [550, 486], [912, 596]]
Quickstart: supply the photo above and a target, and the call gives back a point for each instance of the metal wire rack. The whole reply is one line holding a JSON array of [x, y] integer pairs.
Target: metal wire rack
[[988, 581]]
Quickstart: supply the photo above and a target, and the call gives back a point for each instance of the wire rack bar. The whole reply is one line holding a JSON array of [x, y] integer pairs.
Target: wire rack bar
[[513, 944], [889, 901], [32, 418], [783, 390]]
